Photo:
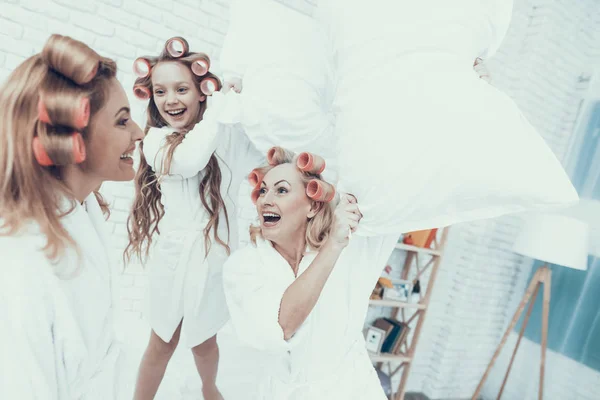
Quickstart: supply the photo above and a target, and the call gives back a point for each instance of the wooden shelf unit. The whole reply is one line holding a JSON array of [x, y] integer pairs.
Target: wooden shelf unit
[[419, 310]]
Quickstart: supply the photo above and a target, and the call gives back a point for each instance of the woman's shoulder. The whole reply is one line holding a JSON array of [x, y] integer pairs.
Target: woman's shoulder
[[245, 257]]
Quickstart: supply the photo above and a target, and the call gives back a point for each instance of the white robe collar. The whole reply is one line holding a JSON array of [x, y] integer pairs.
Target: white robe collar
[[86, 225], [270, 255]]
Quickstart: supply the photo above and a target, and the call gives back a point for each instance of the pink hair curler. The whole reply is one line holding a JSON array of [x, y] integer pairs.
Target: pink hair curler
[[42, 157], [208, 86], [177, 47], [310, 163], [80, 119], [270, 155], [200, 66], [255, 194], [92, 74], [141, 67], [255, 177], [42, 112], [141, 92], [319, 190]]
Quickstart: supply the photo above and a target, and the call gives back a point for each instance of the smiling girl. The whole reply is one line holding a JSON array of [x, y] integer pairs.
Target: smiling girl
[[183, 217]]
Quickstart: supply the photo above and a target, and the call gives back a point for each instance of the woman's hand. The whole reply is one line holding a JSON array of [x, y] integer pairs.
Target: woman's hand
[[233, 83], [346, 218]]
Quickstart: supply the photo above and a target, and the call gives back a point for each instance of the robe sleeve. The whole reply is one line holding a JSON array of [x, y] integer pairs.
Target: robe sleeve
[[192, 155], [26, 344], [254, 298]]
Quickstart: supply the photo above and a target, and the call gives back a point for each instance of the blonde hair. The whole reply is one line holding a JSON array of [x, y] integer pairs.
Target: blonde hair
[[61, 73], [147, 210], [318, 227]]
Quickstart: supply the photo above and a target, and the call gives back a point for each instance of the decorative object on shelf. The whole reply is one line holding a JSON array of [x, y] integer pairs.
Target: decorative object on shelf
[[403, 328], [381, 285], [400, 290], [415, 296], [555, 239], [374, 338], [422, 239]]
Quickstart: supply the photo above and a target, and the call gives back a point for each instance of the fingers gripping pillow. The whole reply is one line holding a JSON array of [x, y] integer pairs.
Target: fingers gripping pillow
[[280, 57], [423, 141]]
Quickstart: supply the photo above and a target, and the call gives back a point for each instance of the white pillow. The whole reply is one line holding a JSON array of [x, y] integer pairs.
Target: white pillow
[[420, 139], [423, 141], [286, 92]]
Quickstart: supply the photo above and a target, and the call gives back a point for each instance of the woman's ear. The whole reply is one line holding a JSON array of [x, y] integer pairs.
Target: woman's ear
[[202, 98], [315, 207]]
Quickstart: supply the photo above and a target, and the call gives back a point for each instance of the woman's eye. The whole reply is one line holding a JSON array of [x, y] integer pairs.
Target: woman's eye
[[182, 90], [282, 190], [123, 121], [158, 92], [262, 191]]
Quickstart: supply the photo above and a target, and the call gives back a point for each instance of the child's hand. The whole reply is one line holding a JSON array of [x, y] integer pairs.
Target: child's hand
[[233, 83]]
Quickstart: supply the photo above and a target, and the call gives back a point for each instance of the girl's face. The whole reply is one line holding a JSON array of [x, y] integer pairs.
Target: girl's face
[[176, 95], [112, 137]]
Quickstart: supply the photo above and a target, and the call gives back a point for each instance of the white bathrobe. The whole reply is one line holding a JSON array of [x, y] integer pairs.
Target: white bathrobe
[[57, 339], [183, 283], [326, 359]]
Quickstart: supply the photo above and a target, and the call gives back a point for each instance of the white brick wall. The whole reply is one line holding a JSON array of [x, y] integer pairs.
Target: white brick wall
[[549, 46]]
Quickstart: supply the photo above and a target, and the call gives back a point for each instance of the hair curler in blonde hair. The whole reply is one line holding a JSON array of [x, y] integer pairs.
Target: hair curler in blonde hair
[[77, 150], [177, 47], [141, 92], [71, 58], [209, 85], [255, 176], [201, 65], [75, 114], [141, 67], [255, 194], [311, 163], [319, 190]]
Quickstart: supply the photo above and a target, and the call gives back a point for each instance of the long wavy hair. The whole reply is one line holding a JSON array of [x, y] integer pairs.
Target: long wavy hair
[[147, 209], [29, 191], [319, 226]]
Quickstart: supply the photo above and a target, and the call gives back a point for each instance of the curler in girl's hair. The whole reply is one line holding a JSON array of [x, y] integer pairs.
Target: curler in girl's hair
[[177, 47], [208, 86], [141, 92], [141, 67], [78, 118], [311, 163], [319, 190], [42, 157], [255, 177], [200, 66], [255, 194]]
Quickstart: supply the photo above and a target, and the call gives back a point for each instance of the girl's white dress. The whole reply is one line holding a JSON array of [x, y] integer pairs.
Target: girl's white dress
[[183, 283]]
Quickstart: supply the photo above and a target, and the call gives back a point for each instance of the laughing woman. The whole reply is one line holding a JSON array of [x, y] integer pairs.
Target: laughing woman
[[64, 129], [300, 292]]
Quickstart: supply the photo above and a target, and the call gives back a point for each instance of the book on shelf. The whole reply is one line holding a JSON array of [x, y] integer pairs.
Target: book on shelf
[[396, 333]]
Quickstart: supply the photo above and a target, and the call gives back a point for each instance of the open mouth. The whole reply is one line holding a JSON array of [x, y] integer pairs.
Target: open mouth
[[127, 157], [177, 114], [270, 219]]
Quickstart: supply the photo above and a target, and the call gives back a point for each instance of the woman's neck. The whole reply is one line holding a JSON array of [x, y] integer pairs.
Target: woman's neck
[[292, 251], [80, 183]]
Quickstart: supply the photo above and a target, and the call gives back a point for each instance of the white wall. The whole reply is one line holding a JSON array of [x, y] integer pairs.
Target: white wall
[[549, 45]]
